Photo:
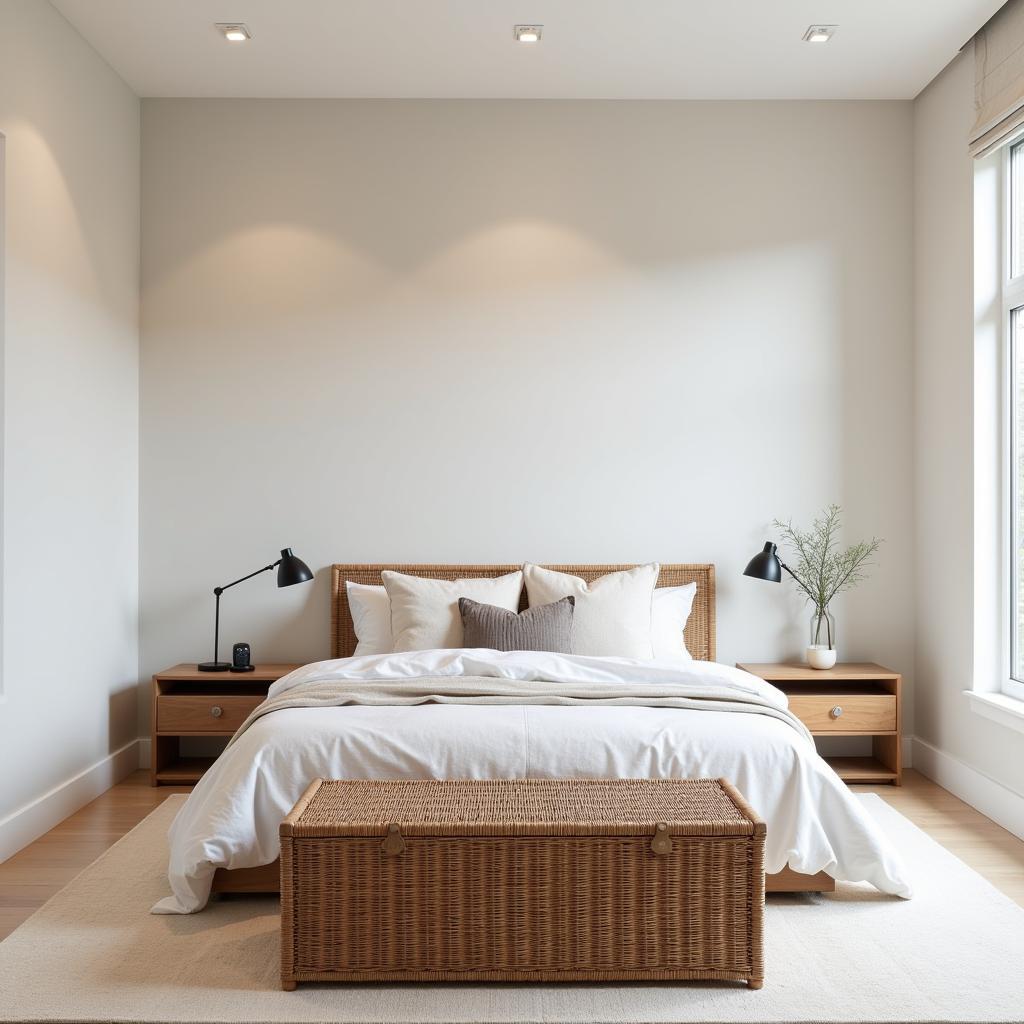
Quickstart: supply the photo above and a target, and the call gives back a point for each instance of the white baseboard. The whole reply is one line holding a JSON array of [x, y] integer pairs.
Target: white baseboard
[[28, 823], [996, 801], [145, 751]]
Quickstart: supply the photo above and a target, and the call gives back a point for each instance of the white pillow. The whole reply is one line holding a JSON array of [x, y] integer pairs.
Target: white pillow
[[613, 614], [669, 613], [371, 616], [370, 608], [425, 613]]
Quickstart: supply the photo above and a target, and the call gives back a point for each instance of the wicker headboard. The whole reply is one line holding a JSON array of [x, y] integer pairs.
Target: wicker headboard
[[700, 630]]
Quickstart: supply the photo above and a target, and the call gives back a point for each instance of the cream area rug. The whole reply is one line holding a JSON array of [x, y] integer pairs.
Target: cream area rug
[[94, 953]]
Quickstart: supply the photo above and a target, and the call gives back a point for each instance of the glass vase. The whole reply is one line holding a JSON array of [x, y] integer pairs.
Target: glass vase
[[821, 651]]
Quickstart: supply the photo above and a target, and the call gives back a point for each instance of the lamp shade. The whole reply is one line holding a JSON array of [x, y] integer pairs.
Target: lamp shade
[[765, 565], [291, 570]]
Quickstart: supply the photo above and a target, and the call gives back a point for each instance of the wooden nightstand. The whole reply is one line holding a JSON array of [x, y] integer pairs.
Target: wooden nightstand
[[857, 699], [187, 702]]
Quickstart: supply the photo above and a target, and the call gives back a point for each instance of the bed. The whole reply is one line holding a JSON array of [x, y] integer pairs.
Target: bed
[[225, 837]]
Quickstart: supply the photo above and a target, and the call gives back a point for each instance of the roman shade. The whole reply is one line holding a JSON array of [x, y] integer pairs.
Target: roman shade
[[998, 79]]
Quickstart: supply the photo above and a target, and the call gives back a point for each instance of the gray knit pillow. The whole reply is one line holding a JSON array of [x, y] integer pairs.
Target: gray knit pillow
[[548, 627]]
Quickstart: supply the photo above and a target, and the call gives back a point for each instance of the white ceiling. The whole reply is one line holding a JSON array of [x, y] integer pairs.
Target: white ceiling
[[628, 49]]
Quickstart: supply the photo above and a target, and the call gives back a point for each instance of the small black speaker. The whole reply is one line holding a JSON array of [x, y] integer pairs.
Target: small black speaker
[[240, 654]]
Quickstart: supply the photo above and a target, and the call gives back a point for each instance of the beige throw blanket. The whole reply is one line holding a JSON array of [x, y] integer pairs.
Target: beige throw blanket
[[471, 689]]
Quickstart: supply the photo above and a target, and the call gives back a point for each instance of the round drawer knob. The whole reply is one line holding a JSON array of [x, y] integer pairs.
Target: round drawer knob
[[216, 711], [836, 712]]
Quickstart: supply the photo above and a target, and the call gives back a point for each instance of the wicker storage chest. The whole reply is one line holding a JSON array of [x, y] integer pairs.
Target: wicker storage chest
[[522, 880]]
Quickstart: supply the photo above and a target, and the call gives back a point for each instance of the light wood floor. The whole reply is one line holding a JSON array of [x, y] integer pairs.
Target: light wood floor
[[31, 877]]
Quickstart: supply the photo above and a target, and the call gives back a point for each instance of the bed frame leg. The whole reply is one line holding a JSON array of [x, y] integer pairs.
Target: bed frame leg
[[755, 983]]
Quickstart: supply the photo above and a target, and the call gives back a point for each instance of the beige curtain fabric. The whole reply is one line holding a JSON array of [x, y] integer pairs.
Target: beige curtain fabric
[[998, 78]]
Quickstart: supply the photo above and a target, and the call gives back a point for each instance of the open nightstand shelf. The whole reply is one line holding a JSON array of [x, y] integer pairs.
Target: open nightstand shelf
[[862, 769], [190, 703], [856, 699], [182, 771]]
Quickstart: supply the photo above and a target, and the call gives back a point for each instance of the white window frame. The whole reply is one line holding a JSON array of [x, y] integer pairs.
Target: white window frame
[[3, 393], [1011, 294], [995, 296]]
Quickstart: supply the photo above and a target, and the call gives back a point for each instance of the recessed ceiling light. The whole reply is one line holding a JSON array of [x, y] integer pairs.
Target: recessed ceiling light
[[528, 33], [819, 33], [235, 32]]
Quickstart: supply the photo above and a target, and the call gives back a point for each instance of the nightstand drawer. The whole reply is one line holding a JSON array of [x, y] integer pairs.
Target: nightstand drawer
[[845, 712], [189, 713]]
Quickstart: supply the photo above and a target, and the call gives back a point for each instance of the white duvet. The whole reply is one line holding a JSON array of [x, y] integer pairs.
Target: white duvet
[[726, 724]]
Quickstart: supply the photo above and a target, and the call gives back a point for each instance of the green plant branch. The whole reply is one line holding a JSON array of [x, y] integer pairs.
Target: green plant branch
[[800, 583], [822, 570]]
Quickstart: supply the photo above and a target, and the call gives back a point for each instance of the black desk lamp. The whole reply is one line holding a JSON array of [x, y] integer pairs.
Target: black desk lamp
[[766, 565], [290, 570]]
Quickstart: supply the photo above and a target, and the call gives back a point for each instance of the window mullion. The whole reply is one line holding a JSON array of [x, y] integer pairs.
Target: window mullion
[[1012, 294]]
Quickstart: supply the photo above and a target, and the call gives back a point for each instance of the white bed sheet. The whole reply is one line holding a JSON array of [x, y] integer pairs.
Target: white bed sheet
[[231, 818]]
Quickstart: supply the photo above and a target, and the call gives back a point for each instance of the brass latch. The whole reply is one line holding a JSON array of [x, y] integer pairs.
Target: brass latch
[[394, 844], [662, 841]]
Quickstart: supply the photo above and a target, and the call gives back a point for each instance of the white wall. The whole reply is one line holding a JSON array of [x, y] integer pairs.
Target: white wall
[[70, 654], [509, 330], [956, 746]]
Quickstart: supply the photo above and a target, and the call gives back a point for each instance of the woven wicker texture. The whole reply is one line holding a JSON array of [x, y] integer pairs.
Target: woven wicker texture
[[566, 905], [523, 807], [699, 633]]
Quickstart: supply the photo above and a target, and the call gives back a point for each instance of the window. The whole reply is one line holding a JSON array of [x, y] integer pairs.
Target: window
[[3, 317], [1013, 428]]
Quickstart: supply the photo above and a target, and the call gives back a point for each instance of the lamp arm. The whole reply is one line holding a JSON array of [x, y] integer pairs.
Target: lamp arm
[[216, 626], [220, 590], [217, 591], [810, 596], [787, 568]]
